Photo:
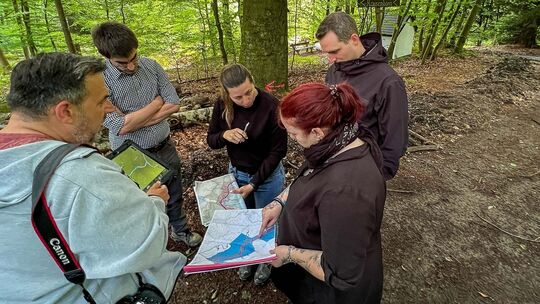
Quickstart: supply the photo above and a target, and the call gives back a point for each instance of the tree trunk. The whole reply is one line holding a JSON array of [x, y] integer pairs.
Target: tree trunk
[[65, 27], [428, 47], [186, 119], [295, 31], [362, 15], [26, 21], [467, 27], [379, 18], [446, 30], [398, 28], [24, 45], [421, 35], [203, 40], [241, 12], [211, 33], [4, 62], [107, 9], [46, 16], [122, 11], [459, 27], [228, 29], [220, 32], [264, 40]]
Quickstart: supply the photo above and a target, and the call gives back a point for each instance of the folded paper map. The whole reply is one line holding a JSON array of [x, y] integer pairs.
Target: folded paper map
[[232, 240], [216, 194]]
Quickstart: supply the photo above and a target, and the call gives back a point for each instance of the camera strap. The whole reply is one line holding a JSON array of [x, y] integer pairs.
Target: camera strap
[[45, 225]]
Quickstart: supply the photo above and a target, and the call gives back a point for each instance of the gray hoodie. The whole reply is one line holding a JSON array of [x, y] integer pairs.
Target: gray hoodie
[[114, 229], [383, 93]]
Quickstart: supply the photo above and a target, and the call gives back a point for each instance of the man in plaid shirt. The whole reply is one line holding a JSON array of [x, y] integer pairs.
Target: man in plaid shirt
[[144, 98]]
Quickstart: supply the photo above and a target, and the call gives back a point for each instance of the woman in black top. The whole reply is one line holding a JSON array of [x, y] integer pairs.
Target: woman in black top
[[329, 240], [244, 120]]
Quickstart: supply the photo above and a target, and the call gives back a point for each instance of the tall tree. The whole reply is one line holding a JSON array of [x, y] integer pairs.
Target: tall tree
[[428, 47], [220, 32], [228, 29], [18, 14], [402, 17], [26, 20], [442, 40], [65, 27], [47, 26], [465, 32], [264, 40], [202, 46]]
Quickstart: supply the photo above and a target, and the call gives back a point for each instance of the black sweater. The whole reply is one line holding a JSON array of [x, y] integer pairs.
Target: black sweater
[[329, 210], [266, 145]]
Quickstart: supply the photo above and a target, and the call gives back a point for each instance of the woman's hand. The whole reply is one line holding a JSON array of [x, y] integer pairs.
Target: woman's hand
[[245, 190], [282, 253], [270, 214], [235, 136]]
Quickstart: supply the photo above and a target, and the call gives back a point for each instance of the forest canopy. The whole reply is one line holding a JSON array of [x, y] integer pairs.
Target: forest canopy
[[198, 36]]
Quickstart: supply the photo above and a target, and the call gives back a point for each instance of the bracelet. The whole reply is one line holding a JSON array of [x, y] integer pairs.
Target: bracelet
[[279, 201], [289, 258]]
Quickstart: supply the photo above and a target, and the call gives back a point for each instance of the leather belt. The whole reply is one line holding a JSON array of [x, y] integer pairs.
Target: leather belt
[[159, 146]]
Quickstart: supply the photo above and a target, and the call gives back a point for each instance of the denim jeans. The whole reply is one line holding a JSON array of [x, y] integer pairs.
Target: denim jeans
[[264, 194]]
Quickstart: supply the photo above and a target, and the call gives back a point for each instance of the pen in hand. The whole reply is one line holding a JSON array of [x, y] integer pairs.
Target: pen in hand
[[245, 128]]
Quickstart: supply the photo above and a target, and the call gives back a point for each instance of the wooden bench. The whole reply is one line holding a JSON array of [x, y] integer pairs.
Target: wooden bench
[[302, 46]]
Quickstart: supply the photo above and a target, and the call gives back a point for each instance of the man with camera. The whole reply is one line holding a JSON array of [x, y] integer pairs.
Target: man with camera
[[115, 231]]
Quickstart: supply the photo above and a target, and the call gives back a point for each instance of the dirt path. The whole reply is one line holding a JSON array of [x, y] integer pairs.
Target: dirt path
[[437, 248], [484, 113]]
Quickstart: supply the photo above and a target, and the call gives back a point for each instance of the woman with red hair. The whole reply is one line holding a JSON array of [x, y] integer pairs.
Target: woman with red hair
[[329, 240]]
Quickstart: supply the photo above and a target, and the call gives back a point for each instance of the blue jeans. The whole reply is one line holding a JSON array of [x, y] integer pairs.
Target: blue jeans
[[264, 194]]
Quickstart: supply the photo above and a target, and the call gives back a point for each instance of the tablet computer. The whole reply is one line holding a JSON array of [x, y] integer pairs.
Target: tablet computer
[[139, 165]]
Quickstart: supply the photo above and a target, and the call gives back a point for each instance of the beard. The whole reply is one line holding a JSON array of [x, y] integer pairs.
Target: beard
[[83, 133]]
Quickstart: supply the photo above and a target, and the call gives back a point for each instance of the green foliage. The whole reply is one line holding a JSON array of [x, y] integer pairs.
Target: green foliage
[[182, 35], [521, 24]]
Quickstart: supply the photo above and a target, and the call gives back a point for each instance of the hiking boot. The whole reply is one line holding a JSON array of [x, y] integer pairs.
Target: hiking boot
[[192, 239], [244, 273], [262, 274]]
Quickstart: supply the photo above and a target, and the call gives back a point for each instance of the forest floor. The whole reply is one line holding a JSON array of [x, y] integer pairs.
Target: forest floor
[[461, 223]]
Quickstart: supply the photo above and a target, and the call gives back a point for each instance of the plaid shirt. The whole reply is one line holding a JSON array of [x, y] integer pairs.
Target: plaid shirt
[[130, 93]]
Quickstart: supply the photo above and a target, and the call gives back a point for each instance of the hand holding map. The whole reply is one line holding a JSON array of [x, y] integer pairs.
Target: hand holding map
[[217, 194], [233, 240]]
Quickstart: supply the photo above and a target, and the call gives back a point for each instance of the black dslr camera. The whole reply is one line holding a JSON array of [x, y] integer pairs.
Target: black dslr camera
[[146, 294]]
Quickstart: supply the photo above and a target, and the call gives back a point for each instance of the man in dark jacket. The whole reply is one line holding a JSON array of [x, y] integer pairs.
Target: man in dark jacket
[[362, 62]]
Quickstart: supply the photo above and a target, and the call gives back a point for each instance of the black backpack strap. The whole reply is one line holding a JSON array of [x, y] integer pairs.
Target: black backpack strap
[[45, 225]]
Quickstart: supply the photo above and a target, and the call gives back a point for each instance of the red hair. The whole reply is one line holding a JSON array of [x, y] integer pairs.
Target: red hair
[[315, 105]]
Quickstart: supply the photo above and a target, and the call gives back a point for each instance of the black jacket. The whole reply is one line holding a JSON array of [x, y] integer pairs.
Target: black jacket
[[383, 94]]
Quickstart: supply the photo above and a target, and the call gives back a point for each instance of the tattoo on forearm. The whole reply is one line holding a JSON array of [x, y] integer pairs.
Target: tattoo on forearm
[[308, 259], [272, 205]]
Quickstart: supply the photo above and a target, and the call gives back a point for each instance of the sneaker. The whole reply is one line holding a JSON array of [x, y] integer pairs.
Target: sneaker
[[244, 273], [192, 239], [262, 274]]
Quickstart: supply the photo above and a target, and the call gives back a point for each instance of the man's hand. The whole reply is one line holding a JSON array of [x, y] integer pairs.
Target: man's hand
[[136, 120], [235, 136], [245, 191], [160, 190], [270, 215]]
